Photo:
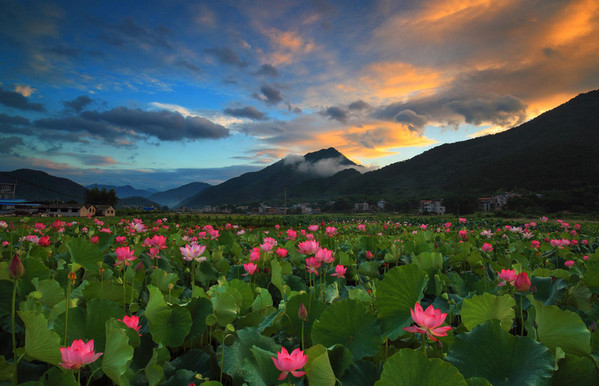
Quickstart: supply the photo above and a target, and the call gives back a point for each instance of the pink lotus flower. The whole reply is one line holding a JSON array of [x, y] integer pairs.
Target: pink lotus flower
[[15, 267], [290, 363], [362, 227], [255, 254], [312, 265], [569, 263], [157, 241], [94, 239], [330, 231], [308, 247], [462, 220], [340, 271], [124, 255], [313, 228], [369, 255], [428, 322], [508, 276], [522, 282], [324, 256], [121, 240], [44, 241], [250, 269], [535, 244], [282, 252], [131, 322], [214, 234], [486, 247], [78, 354], [193, 251], [291, 234]]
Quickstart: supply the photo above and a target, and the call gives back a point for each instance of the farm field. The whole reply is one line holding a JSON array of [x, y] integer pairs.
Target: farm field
[[298, 300]]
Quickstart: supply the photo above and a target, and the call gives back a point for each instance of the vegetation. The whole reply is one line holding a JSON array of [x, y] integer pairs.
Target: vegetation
[[299, 299]]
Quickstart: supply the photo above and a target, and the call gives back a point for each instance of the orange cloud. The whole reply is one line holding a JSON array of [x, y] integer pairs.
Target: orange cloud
[[24, 90], [371, 140], [578, 20], [287, 46], [394, 79]]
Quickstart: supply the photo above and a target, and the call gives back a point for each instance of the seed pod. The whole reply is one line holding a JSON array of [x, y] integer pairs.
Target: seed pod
[[211, 320], [229, 339]]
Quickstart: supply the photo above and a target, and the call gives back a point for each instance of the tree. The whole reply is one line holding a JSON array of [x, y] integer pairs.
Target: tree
[[101, 197]]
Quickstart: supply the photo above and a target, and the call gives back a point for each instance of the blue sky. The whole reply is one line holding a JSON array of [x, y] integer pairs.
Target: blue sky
[[163, 93]]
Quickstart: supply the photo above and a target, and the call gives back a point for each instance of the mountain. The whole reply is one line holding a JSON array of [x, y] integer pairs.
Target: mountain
[[554, 151], [123, 191], [136, 202], [36, 185], [173, 197], [270, 182]]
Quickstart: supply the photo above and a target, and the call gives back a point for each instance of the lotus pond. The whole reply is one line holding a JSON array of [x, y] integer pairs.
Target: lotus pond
[[346, 301]]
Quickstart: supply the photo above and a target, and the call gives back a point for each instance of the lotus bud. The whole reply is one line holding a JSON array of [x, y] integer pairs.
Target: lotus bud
[[15, 268], [139, 266], [302, 313]]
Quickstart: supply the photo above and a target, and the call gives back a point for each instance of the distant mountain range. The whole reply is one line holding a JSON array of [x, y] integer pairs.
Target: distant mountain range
[[556, 151], [271, 181]]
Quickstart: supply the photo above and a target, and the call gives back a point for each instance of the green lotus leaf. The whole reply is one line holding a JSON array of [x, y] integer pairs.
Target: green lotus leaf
[[481, 308], [168, 326], [409, 367], [503, 359], [399, 290], [574, 370], [225, 306], [292, 323], [320, 372], [194, 360], [242, 348], [40, 342], [199, 308], [84, 253], [561, 328], [52, 292], [117, 354], [361, 373], [350, 323], [259, 369]]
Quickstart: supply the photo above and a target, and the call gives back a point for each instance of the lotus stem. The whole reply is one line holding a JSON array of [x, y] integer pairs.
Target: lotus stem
[[66, 311], [14, 337], [521, 318]]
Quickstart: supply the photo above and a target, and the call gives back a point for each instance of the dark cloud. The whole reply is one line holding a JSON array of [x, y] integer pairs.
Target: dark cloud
[[294, 109], [190, 66], [78, 103], [18, 101], [122, 123], [155, 37], [336, 113], [477, 98], [359, 105], [267, 70], [8, 143], [246, 112], [501, 110], [13, 120], [94, 160], [269, 94], [62, 50], [415, 122], [226, 55]]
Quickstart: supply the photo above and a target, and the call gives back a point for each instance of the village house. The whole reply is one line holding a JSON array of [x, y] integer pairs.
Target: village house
[[105, 210], [361, 207], [430, 207], [498, 202]]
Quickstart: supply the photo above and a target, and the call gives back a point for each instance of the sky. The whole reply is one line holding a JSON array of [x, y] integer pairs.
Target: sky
[[157, 94]]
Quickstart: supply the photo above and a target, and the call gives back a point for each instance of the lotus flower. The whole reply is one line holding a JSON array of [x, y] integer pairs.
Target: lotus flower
[[340, 271], [125, 255], [486, 247], [131, 322], [428, 322], [290, 363], [78, 354], [324, 256], [308, 247], [508, 276], [522, 282], [250, 269]]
